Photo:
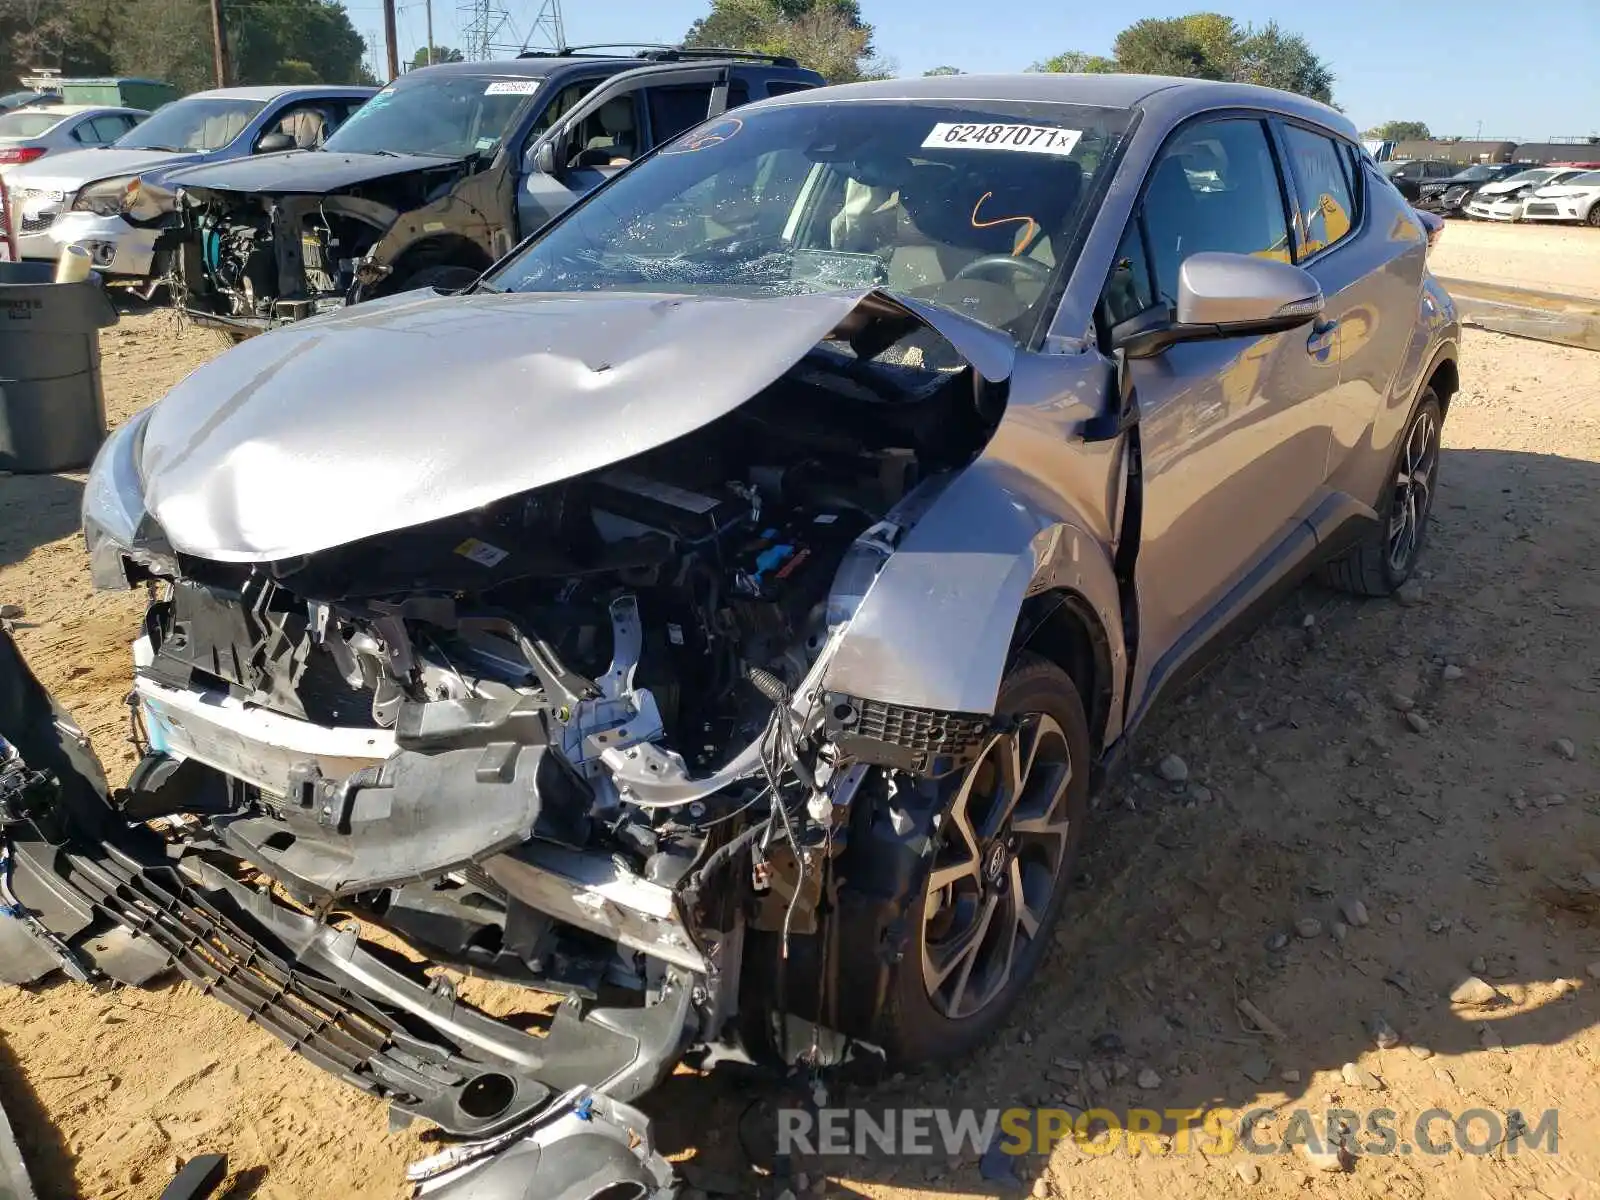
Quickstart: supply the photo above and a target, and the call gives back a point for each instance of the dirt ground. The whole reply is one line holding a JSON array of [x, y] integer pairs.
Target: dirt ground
[[1435, 760]]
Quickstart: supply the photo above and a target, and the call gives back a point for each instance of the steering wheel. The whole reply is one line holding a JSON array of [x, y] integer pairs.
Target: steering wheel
[[1031, 267]]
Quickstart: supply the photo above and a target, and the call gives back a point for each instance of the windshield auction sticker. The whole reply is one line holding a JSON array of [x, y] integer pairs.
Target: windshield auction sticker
[[1020, 139], [512, 87]]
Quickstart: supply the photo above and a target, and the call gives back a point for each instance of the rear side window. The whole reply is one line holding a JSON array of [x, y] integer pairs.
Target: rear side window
[[787, 87], [674, 109], [1215, 187], [738, 93], [1327, 204]]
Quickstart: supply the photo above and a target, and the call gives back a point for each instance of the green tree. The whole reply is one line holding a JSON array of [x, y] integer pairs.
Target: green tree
[[271, 41], [1401, 131], [828, 36], [1076, 62], [1209, 45], [1163, 46], [943, 71], [1272, 58], [441, 54]]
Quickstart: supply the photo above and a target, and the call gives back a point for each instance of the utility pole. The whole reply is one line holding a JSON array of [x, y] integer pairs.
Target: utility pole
[[219, 44], [427, 9], [388, 38]]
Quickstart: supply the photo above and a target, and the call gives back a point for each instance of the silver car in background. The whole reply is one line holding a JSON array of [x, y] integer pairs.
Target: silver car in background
[[721, 614], [111, 200], [29, 134]]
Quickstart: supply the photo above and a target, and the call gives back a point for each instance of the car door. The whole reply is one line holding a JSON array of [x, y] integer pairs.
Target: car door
[[613, 125], [1233, 433], [1364, 280]]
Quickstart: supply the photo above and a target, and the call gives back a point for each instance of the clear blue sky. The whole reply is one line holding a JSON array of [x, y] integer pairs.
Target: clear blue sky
[[1523, 68]]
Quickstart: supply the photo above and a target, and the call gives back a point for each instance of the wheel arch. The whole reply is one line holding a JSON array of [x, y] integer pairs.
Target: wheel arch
[[1062, 627], [940, 624], [1444, 377]]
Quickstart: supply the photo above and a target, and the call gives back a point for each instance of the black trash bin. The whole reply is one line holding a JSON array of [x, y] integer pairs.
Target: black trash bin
[[52, 406]]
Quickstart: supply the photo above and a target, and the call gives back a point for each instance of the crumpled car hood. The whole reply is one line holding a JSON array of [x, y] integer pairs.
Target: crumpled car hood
[[398, 412], [305, 172]]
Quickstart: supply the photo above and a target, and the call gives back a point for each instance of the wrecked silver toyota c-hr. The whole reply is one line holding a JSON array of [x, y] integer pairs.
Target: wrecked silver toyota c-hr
[[718, 617]]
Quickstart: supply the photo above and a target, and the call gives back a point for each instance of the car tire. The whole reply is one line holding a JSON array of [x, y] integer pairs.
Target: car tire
[[1593, 217], [920, 1023], [1379, 563], [445, 278]]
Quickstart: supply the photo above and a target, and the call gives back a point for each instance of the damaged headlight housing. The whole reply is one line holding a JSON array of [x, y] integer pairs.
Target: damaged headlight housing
[[122, 196], [116, 524]]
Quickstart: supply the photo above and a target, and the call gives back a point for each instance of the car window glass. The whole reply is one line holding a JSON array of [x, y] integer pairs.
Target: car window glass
[[563, 102], [193, 123], [307, 124], [786, 87], [967, 204], [107, 129], [674, 109], [738, 93], [1127, 292], [1327, 209], [1215, 187], [27, 124], [609, 136]]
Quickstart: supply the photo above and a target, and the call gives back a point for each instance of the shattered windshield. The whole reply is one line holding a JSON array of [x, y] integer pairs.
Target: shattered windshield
[[448, 114], [967, 204], [197, 123]]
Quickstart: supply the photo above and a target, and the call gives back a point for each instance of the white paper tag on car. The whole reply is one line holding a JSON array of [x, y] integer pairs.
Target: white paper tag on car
[[512, 87], [992, 135], [482, 553]]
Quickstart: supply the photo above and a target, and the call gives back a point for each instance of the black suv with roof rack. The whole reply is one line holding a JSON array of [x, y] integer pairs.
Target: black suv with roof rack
[[439, 175]]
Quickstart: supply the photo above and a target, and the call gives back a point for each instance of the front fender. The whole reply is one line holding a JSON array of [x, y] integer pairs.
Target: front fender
[[935, 628]]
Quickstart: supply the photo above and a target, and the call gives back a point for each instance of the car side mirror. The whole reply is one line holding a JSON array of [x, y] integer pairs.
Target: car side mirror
[[541, 159], [275, 142], [1222, 296]]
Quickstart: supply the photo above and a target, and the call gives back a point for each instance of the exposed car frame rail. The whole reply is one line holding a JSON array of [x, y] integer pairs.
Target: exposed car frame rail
[[1527, 312]]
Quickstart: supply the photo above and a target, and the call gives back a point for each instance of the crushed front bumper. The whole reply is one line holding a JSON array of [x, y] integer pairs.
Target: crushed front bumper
[[349, 1008]]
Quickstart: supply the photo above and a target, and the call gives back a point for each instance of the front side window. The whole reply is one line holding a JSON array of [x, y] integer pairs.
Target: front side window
[[1214, 188], [561, 104], [449, 115], [967, 204], [1327, 204], [198, 123]]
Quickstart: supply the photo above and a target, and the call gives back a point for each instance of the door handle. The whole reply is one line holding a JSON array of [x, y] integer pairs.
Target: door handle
[[1320, 344]]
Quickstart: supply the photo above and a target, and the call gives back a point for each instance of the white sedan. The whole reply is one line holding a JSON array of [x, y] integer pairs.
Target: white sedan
[[31, 133], [1503, 200], [1574, 199]]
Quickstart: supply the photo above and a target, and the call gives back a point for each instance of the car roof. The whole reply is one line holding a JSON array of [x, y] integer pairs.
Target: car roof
[[73, 110], [1171, 95], [520, 68], [540, 66], [271, 91]]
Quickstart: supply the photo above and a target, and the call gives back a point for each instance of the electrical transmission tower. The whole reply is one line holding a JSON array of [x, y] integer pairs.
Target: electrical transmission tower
[[547, 31]]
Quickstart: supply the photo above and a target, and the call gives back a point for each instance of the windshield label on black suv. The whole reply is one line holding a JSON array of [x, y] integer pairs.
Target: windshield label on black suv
[[1028, 139]]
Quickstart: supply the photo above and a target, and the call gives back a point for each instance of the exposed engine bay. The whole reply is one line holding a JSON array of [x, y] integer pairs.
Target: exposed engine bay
[[577, 738], [266, 256]]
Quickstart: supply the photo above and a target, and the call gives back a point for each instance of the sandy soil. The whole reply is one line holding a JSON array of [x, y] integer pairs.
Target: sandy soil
[[1550, 257], [1307, 788]]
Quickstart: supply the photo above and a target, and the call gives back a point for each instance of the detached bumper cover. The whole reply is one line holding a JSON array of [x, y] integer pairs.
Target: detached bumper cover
[[335, 1002]]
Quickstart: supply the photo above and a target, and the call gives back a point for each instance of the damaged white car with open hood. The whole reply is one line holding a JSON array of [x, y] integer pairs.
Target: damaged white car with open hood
[[717, 617]]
